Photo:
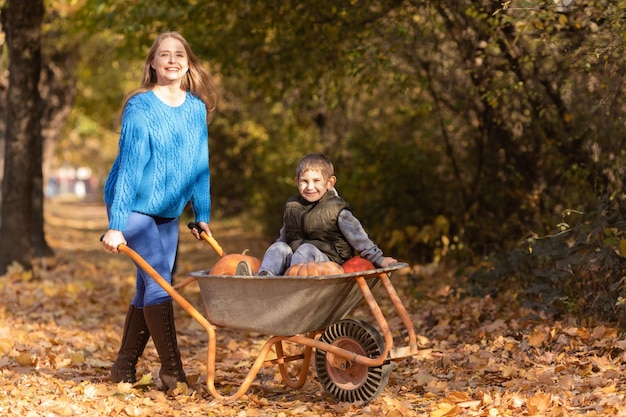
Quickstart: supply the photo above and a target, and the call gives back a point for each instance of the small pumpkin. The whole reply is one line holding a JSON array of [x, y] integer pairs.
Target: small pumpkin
[[227, 265], [357, 264], [310, 269]]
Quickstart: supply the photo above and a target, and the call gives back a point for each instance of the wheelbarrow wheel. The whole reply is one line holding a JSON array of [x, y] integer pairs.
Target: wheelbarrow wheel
[[352, 382]]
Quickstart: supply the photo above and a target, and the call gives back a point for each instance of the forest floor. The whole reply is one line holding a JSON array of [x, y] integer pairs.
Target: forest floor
[[60, 330]]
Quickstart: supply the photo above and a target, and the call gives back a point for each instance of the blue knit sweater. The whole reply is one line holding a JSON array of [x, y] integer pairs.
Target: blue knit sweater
[[163, 161]]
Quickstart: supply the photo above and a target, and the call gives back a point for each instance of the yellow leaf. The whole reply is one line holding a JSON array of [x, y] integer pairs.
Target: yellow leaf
[[444, 409], [72, 288], [583, 333], [90, 391], [436, 386], [134, 411], [486, 397], [26, 359], [77, 358], [50, 290], [181, 388], [473, 404], [537, 338], [146, 379], [124, 387], [63, 362], [457, 396], [6, 344], [98, 363], [540, 402], [611, 389], [509, 371]]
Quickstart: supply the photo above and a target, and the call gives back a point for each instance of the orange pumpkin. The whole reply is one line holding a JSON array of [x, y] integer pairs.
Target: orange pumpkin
[[310, 269], [357, 264], [227, 265]]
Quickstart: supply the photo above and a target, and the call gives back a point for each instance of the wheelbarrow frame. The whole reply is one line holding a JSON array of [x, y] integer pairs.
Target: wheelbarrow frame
[[339, 356]]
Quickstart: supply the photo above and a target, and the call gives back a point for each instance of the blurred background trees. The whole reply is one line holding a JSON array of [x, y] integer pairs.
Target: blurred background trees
[[480, 121], [458, 128]]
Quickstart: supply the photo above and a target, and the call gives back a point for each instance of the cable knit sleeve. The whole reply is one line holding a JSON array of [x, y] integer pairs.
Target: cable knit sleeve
[[127, 170], [201, 197]]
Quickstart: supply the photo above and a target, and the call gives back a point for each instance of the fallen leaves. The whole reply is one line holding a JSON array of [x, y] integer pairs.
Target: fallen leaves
[[60, 331]]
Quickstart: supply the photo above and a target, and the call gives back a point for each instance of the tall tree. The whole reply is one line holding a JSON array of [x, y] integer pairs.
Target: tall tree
[[21, 21]]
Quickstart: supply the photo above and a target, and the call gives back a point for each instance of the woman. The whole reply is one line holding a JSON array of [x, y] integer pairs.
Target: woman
[[163, 163]]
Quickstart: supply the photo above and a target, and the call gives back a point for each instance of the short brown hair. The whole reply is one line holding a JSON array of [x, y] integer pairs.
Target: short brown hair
[[317, 162]]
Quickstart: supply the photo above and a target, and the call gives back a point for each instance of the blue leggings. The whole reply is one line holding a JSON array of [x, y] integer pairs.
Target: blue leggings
[[156, 240]]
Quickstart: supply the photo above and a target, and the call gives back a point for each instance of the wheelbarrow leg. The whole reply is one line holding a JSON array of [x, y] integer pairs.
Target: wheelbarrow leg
[[298, 382], [252, 373], [411, 349]]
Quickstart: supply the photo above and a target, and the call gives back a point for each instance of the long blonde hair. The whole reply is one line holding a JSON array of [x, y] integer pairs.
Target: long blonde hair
[[198, 81]]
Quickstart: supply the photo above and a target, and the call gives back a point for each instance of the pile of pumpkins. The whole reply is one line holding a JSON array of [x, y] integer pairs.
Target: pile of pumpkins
[[227, 265]]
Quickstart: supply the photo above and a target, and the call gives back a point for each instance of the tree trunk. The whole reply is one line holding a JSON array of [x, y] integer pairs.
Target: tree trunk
[[57, 87], [21, 20], [38, 237]]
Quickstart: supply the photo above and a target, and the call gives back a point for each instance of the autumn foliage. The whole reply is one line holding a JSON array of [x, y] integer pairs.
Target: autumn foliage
[[576, 270]]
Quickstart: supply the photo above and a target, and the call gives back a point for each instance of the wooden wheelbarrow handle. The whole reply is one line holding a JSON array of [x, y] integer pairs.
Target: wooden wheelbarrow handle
[[209, 239]]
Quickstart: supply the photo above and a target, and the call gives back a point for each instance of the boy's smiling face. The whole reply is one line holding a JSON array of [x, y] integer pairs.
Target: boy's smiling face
[[312, 185]]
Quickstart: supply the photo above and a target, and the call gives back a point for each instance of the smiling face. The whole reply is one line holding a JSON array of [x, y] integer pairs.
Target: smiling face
[[312, 185], [170, 62]]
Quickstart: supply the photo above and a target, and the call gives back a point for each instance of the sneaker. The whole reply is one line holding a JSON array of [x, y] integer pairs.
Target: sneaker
[[265, 274], [243, 269]]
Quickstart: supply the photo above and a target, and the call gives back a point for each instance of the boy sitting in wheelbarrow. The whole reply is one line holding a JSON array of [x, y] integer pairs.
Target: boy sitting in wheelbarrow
[[318, 225]]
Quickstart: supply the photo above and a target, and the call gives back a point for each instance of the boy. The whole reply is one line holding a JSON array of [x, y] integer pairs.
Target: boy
[[318, 225]]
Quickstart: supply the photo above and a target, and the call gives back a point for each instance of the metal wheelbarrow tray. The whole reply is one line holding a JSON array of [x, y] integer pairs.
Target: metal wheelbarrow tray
[[279, 305], [352, 357]]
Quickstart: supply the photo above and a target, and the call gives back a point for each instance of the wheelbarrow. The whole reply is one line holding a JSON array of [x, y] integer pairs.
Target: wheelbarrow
[[352, 358]]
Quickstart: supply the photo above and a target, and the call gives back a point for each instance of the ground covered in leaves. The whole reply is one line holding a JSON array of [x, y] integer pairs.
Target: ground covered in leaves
[[61, 327]]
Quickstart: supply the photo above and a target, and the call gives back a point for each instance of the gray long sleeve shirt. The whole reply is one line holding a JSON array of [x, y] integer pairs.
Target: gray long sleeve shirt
[[356, 235]]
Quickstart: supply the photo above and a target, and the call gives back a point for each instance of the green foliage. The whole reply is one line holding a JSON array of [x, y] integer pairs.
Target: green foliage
[[456, 126], [579, 269]]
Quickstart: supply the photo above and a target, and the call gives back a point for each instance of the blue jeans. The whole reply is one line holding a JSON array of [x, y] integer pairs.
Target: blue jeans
[[156, 240], [279, 257]]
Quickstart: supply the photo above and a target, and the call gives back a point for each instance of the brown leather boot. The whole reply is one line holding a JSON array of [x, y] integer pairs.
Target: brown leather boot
[[136, 335], [160, 321]]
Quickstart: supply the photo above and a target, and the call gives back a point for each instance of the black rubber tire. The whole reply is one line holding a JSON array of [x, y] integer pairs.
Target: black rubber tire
[[358, 383]]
